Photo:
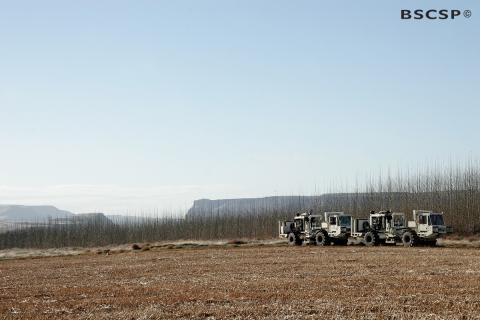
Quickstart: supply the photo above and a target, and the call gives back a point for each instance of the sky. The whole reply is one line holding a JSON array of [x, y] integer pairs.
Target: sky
[[144, 106]]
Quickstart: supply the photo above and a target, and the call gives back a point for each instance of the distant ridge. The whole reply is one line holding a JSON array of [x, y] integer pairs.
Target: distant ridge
[[233, 206], [12, 215], [293, 204], [22, 213]]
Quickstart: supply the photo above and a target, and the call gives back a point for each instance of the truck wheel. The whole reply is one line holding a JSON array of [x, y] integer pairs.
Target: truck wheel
[[293, 240], [409, 239], [371, 239], [321, 239]]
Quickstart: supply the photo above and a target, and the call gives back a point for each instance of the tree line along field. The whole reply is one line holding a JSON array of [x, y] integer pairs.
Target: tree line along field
[[246, 282], [452, 190]]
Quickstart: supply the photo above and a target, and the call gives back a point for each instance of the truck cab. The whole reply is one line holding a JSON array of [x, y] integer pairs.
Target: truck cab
[[385, 227], [428, 224], [331, 227], [386, 221], [337, 224], [303, 227]]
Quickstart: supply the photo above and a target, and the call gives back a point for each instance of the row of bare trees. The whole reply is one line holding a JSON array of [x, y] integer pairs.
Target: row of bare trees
[[454, 190]]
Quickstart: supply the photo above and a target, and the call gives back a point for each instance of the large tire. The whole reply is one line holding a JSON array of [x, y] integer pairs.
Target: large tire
[[370, 239], [322, 239], [409, 239], [293, 240]]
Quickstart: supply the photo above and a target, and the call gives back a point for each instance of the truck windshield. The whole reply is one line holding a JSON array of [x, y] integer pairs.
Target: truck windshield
[[436, 220], [315, 222], [345, 221], [398, 221]]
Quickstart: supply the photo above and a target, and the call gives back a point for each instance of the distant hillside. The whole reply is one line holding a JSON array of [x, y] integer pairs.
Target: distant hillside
[[244, 205], [31, 213], [12, 216], [293, 204]]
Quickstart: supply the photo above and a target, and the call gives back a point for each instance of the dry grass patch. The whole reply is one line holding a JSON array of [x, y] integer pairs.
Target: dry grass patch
[[246, 282], [451, 242]]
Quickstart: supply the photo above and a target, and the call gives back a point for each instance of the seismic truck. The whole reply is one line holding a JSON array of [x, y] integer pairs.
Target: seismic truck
[[384, 227], [387, 227], [428, 226], [331, 228]]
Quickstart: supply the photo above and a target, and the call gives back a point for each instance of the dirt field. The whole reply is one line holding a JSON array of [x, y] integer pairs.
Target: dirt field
[[251, 282]]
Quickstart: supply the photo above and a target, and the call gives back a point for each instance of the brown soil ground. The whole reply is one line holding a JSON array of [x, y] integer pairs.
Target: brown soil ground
[[246, 282]]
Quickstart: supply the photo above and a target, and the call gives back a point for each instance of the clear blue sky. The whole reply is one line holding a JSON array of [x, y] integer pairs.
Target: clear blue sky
[[123, 105]]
